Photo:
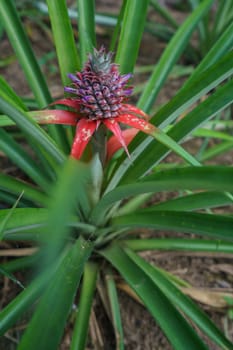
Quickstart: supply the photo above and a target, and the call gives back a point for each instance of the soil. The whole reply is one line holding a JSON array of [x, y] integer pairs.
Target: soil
[[204, 272]]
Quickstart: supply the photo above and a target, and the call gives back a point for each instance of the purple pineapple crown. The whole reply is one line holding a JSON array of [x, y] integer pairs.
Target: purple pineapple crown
[[99, 87]]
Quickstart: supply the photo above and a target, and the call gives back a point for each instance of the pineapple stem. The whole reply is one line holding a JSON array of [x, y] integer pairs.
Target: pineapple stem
[[99, 142]]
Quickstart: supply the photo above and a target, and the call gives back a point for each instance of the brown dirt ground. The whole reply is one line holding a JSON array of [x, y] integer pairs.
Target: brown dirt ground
[[202, 271]]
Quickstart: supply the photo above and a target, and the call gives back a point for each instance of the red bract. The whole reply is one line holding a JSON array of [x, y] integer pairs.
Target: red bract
[[100, 95]]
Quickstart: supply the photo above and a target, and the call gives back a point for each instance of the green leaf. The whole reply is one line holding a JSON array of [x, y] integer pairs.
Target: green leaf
[[182, 302], [64, 39], [22, 219], [221, 148], [27, 59], [23, 301], [117, 27], [131, 34], [28, 223], [165, 13], [6, 121], [32, 130], [179, 244], [195, 201], [86, 26], [16, 187], [55, 304], [18, 264], [223, 16], [176, 328], [68, 196], [11, 277], [7, 217], [84, 307], [144, 160], [40, 153], [202, 27], [221, 46], [9, 199], [199, 86], [24, 53], [115, 310], [215, 226], [178, 105], [215, 178], [163, 33], [4, 86], [67, 55], [163, 138], [21, 158], [170, 56], [212, 134]]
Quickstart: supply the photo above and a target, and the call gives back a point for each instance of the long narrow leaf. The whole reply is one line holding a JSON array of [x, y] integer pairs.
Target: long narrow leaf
[[215, 226], [8, 199], [222, 46], [58, 297], [176, 328], [153, 153], [64, 39], [209, 178], [20, 263], [23, 218], [20, 42], [163, 138], [32, 130], [84, 306], [8, 216], [216, 150], [223, 13], [23, 301], [170, 56], [115, 310], [198, 87], [15, 187], [202, 200], [117, 27], [179, 244], [165, 13], [4, 86], [131, 33], [181, 301], [213, 134], [202, 31], [167, 114], [86, 26], [27, 224], [69, 196], [66, 50], [14, 151], [27, 59]]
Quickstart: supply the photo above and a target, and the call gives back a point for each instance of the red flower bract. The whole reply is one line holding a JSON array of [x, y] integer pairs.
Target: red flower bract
[[100, 94]]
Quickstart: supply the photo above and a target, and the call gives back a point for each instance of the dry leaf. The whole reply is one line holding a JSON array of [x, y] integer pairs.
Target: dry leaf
[[208, 297]]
